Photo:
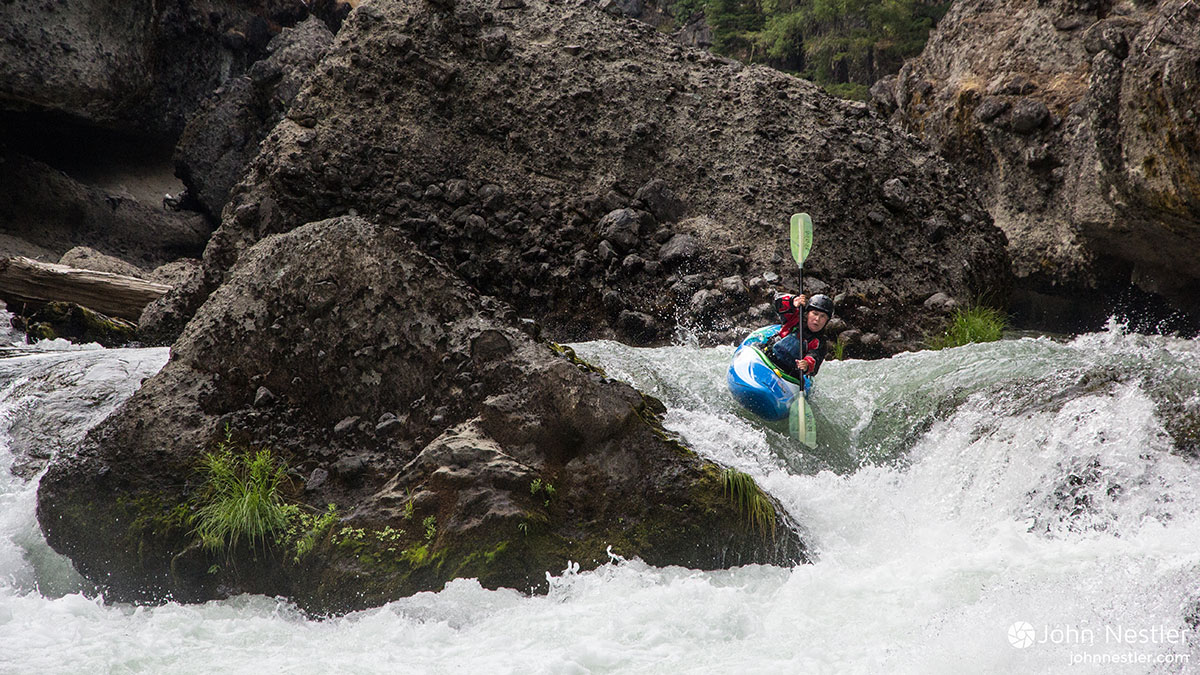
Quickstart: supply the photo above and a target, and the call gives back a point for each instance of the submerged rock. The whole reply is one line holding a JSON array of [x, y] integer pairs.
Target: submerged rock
[[495, 455]]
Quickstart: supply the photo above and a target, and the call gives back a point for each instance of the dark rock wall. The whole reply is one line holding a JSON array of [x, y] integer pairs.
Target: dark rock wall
[[1079, 122], [134, 66], [47, 213], [224, 135], [503, 141]]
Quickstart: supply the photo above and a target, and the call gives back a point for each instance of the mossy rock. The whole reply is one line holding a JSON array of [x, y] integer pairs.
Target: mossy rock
[[79, 325]]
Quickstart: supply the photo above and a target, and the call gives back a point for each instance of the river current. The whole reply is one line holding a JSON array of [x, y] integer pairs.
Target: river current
[[1024, 506]]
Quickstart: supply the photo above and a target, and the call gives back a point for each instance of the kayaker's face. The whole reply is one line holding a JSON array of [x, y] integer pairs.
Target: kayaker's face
[[816, 320]]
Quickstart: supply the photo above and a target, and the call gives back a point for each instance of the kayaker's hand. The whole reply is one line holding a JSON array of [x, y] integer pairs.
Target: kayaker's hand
[[802, 366]]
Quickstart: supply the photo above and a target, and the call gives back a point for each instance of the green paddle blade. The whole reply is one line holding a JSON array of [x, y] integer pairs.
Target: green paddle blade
[[802, 237], [802, 424]]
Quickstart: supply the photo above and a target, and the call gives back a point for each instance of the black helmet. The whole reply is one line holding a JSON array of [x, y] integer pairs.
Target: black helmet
[[821, 303]]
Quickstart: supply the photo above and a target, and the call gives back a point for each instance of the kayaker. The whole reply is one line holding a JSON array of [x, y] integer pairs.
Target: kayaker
[[786, 352]]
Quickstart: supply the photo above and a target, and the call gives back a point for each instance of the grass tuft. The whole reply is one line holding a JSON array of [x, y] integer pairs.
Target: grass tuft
[[970, 325], [838, 350], [750, 500], [239, 499]]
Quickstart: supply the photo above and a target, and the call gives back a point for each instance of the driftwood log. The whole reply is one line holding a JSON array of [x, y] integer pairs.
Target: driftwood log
[[33, 284]]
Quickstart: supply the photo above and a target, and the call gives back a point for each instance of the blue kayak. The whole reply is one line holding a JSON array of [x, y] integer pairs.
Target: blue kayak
[[759, 385]]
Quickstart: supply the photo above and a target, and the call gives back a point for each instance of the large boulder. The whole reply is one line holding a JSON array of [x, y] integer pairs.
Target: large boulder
[[500, 150], [221, 139], [1078, 120], [449, 442]]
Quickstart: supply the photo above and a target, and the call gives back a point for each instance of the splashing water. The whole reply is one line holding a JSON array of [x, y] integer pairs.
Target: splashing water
[[957, 498]]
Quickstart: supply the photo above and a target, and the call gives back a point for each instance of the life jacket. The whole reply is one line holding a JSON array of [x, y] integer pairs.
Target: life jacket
[[785, 350]]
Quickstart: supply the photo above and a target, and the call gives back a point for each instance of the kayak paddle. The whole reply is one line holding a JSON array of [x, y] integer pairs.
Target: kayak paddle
[[802, 425]]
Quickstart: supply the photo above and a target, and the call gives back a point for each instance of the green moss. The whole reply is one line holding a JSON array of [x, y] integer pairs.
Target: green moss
[[478, 563], [570, 355], [79, 324], [153, 519]]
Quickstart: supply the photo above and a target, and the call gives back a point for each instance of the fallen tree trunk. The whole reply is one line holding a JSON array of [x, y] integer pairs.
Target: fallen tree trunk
[[32, 283]]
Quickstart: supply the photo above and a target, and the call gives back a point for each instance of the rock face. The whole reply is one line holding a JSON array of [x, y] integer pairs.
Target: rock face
[[415, 406], [138, 66], [1080, 121], [44, 213], [552, 155], [222, 138]]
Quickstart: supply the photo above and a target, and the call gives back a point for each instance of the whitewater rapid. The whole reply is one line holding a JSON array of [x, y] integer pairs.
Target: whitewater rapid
[[1016, 507]]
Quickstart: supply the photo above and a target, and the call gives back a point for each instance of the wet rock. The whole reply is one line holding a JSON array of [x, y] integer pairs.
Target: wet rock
[[140, 68], [1080, 206], [566, 151], [708, 303], [457, 192], [51, 213], [851, 336], [733, 288], [79, 325], [990, 109], [82, 257], [896, 194], [221, 139], [346, 426], [350, 467], [316, 479], [462, 463], [639, 325], [389, 426]]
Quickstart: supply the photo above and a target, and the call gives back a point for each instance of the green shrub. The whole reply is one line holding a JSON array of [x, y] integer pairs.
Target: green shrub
[[239, 499], [973, 324]]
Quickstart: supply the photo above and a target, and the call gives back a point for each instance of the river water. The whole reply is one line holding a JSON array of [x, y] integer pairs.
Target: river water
[[1016, 507]]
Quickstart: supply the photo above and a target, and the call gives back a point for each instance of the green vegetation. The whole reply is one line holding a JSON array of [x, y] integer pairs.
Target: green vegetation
[[430, 525], [843, 45], [307, 529], [973, 324], [838, 351], [749, 499], [547, 488], [239, 499]]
